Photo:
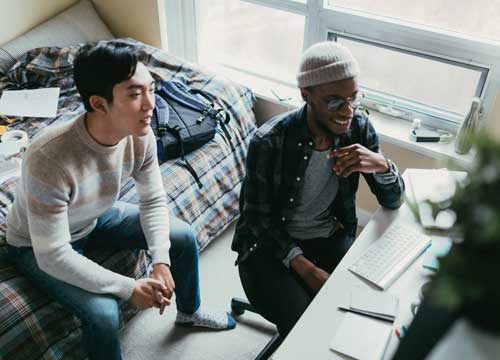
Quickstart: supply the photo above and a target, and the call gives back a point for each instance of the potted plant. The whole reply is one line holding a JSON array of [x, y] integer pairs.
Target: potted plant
[[467, 284]]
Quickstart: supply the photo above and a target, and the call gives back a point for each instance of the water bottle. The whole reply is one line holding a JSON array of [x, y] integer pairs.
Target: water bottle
[[467, 130]]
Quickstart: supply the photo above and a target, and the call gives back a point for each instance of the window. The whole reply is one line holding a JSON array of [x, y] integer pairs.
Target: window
[[250, 38], [416, 83], [422, 59], [479, 18]]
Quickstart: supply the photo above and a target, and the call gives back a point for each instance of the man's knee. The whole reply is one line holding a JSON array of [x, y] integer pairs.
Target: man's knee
[[185, 240], [104, 316], [273, 291]]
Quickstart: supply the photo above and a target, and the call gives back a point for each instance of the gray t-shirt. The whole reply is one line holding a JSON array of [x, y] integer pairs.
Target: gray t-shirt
[[312, 216]]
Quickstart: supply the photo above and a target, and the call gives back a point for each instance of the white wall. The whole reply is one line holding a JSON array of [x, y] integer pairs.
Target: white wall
[[19, 16], [143, 20]]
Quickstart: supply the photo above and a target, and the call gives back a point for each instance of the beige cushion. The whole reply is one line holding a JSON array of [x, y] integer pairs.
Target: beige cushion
[[77, 24]]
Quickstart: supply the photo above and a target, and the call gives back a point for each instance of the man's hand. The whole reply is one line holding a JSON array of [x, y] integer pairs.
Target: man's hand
[[161, 272], [313, 276], [357, 158], [145, 292]]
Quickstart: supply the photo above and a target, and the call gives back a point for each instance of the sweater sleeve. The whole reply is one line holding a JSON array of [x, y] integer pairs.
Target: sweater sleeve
[[153, 210], [48, 193]]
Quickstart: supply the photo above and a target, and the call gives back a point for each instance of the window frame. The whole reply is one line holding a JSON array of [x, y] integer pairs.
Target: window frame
[[404, 36]]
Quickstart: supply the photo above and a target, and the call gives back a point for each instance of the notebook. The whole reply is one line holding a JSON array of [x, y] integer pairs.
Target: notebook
[[372, 303], [361, 337]]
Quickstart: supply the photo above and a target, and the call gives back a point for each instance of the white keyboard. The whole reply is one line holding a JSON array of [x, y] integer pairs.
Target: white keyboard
[[390, 255]]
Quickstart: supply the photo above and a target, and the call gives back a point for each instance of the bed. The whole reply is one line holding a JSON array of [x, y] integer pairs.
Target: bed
[[31, 325]]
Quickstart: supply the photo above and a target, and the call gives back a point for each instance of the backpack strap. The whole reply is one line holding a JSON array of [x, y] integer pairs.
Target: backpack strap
[[216, 114], [227, 136], [176, 131], [162, 113], [189, 168], [180, 93], [204, 95]]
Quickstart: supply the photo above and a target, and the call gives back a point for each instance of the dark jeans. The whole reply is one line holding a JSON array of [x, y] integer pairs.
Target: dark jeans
[[278, 293], [117, 229]]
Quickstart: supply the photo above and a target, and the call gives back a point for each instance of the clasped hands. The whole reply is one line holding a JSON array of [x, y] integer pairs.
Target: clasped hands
[[155, 291], [357, 158]]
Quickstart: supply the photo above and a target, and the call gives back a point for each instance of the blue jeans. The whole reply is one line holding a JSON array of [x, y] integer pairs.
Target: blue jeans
[[117, 229]]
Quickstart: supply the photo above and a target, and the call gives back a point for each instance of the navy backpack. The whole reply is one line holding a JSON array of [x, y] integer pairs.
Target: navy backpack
[[183, 120]]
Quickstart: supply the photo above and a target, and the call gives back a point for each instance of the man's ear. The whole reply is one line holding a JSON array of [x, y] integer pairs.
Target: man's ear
[[306, 94], [99, 104]]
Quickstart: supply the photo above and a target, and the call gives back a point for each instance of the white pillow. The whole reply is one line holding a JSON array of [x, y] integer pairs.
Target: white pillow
[[78, 24]]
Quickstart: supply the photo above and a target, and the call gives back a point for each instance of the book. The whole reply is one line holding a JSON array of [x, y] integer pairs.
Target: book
[[371, 303]]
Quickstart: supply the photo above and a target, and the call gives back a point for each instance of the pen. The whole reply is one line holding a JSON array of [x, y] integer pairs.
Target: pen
[[403, 331], [400, 333]]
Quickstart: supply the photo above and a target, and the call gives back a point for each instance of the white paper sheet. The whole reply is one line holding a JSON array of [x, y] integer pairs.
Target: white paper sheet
[[361, 337], [34, 103]]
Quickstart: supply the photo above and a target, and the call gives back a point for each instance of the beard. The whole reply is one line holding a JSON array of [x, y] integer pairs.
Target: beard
[[317, 118], [332, 123]]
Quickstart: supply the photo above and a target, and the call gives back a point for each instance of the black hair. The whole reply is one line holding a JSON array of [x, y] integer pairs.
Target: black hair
[[99, 67]]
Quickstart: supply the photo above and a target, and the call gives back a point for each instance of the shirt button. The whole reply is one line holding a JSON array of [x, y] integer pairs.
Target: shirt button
[[300, 144], [291, 199], [298, 179], [305, 157], [283, 219], [310, 143]]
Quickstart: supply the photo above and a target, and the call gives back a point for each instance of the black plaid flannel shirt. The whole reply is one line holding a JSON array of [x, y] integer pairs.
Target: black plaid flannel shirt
[[277, 158]]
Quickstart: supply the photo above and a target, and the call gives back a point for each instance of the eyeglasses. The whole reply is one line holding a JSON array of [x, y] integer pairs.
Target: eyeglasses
[[338, 103]]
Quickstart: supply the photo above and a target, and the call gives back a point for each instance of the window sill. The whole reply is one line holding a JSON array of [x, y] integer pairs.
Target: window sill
[[396, 131], [390, 129]]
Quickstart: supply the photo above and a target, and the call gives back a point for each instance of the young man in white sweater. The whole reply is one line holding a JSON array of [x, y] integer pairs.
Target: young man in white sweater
[[66, 203]]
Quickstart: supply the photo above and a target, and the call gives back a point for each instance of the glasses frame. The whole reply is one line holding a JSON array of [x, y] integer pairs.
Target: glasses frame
[[338, 103]]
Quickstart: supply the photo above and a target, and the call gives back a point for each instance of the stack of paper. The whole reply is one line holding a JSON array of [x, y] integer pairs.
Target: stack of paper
[[362, 337], [372, 303], [369, 317], [8, 149]]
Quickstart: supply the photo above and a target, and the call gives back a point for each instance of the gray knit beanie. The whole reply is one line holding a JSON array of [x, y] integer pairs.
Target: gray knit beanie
[[325, 62]]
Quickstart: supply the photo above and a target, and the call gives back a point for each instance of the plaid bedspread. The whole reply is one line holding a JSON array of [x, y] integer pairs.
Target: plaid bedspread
[[31, 325]]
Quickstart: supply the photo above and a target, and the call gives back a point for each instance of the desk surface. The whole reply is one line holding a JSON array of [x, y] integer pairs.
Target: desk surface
[[311, 336]]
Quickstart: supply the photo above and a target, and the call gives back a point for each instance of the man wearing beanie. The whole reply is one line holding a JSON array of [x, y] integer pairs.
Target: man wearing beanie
[[298, 211]]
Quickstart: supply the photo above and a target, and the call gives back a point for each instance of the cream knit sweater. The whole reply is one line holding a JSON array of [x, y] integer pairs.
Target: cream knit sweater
[[68, 180]]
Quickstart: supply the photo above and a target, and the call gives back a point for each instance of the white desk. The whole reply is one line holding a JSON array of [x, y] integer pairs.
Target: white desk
[[311, 336]]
